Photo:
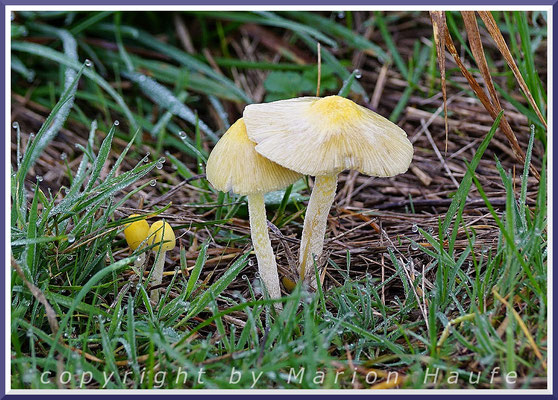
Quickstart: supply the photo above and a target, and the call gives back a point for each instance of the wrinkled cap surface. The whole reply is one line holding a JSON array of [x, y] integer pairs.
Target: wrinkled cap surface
[[235, 165], [161, 232], [321, 136]]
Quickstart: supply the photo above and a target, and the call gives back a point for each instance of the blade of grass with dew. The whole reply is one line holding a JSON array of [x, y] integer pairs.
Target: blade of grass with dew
[[196, 271], [459, 199], [272, 19], [48, 53], [214, 290], [353, 39], [178, 55], [164, 98], [37, 145]]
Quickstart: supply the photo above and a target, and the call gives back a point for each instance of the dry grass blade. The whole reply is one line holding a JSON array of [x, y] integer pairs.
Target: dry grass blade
[[504, 124], [503, 47], [475, 42], [438, 19], [524, 328]]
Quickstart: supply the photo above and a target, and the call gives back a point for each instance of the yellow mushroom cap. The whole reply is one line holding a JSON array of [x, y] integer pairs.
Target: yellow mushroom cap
[[136, 232], [320, 136], [235, 165], [156, 236]]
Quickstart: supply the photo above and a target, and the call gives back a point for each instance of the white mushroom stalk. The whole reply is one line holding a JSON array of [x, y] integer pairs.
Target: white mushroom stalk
[[160, 233], [234, 165], [315, 223], [267, 266], [322, 137]]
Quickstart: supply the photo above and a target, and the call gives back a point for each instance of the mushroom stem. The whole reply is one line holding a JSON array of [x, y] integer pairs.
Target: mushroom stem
[[315, 222], [267, 267], [157, 276]]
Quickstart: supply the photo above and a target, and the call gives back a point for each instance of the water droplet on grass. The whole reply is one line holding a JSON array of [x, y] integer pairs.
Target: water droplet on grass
[[414, 228], [71, 238], [159, 165], [15, 125], [153, 182], [116, 123], [63, 156], [88, 63], [358, 74], [414, 246], [39, 178]]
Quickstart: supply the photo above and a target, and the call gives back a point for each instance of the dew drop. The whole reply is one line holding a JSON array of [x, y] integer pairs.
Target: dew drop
[[358, 74], [145, 159], [31, 136], [71, 238], [414, 246], [142, 78], [244, 277], [159, 165], [88, 63], [29, 332], [66, 190], [15, 125], [116, 123], [139, 259], [182, 134], [414, 228], [162, 160], [39, 178], [153, 182], [63, 156]]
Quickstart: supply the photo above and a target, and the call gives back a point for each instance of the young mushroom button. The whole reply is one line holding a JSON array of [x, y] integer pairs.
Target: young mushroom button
[[234, 165], [135, 233], [160, 233], [322, 137]]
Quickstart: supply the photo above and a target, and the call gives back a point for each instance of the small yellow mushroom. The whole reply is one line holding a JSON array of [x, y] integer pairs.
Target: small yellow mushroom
[[160, 233], [135, 233]]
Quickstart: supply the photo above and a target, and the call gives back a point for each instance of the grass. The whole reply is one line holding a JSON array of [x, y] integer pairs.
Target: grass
[[427, 285]]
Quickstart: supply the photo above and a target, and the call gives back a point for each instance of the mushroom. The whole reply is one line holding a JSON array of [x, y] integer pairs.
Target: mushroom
[[322, 137], [234, 165], [135, 233], [160, 233]]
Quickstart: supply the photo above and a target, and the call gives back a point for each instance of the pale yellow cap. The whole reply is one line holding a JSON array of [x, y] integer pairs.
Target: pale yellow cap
[[235, 165], [156, 236], [320, 136], [136, 232]]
